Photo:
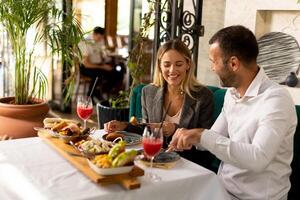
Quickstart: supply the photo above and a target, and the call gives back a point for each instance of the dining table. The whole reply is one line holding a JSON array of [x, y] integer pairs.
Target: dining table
[[32, 169]]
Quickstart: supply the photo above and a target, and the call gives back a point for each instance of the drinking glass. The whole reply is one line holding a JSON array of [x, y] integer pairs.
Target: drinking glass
[[152, 143], [84, 108]]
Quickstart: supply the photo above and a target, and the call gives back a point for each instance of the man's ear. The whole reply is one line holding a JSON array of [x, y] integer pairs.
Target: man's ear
[[234, 63]]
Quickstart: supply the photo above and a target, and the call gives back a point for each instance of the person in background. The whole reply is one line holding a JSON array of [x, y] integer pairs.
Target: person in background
[[174, 82], [97, 63], [253, 135]]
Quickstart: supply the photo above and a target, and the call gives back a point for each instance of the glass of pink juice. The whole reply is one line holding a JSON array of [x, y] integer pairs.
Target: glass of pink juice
[[152, 143], [84, 108]]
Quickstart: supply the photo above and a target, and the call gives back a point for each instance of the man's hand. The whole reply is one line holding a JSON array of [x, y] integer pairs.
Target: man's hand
[[184, 139], [168, 127], [114, 125]]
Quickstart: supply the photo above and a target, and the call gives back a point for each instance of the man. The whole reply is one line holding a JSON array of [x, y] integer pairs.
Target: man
[[95, 61], [253, 135]]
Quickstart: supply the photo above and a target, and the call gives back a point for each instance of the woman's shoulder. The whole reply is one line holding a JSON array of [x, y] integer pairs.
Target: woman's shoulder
[[150, 88], [202, 91]]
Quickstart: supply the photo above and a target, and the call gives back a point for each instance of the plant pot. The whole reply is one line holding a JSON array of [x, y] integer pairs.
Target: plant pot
[[18, 121], [106, 113]]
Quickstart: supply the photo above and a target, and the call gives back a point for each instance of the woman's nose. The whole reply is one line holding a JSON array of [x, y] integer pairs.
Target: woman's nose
[[172, 67]]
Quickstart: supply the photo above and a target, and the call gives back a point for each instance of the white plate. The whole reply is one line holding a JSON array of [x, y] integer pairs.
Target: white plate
[[110, 171]]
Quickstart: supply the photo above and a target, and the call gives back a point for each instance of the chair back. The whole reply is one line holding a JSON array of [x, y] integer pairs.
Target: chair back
[[135, 108], [105, 113]]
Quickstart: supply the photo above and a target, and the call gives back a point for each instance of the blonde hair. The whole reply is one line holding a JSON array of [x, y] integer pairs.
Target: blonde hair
[[190, 82]]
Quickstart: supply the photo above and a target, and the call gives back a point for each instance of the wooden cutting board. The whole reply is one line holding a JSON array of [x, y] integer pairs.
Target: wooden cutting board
[[128, 180]]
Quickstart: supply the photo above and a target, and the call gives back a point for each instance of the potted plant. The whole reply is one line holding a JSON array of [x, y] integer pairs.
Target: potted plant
[[27, 108], [139, 64]]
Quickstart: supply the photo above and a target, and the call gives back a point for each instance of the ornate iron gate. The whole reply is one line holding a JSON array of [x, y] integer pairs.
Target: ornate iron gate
[[172, 21]]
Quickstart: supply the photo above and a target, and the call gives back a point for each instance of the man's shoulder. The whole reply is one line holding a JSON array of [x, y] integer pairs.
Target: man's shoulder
[[274, 94], [272, 88]]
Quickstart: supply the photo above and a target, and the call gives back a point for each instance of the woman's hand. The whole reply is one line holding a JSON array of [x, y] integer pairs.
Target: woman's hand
[[168, 127], [114, 125]]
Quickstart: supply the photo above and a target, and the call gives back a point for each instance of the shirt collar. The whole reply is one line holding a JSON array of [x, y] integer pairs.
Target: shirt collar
[[253, 88]]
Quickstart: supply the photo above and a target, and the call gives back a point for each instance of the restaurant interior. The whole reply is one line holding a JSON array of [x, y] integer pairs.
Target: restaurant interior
[[36, 163]]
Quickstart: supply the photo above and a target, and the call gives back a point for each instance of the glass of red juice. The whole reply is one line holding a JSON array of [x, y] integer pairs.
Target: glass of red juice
[[84, 108], [152, 143]]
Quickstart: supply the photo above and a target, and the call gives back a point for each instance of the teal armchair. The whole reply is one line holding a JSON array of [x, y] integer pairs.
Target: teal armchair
[[135, 106]]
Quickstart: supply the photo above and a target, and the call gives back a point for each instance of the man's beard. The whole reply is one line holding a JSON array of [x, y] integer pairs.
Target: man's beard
[[227, 78]]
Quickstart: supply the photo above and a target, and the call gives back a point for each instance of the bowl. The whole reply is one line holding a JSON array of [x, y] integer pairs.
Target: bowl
[[110, 171]]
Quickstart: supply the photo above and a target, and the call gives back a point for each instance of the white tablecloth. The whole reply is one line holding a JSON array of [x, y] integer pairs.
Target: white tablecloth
[[30, 169]]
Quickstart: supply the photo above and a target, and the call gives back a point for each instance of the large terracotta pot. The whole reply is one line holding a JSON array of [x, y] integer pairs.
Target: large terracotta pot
[[18, 121]]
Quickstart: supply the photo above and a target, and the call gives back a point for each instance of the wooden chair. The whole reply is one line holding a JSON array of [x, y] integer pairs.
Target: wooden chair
[[81, 80]]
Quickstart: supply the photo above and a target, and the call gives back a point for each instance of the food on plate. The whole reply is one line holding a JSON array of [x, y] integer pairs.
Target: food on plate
[[71, 129], [67, 130], [124, 158], [59, 126], [94, 146], [77, 144], [102, 161], [51, 122], [114, 135], [117, 149], [133, 120]]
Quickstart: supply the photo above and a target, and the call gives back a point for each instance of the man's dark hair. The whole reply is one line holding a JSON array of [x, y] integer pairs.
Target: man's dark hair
[[236, 41], [99, 30]]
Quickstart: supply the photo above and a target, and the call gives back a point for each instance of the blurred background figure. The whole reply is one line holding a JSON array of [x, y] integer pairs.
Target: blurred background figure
[[97, 62]]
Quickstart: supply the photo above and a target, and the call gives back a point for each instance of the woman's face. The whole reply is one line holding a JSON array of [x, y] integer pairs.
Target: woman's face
[[173, 67]]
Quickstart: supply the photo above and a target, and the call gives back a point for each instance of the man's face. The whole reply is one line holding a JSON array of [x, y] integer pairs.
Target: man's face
[[224, 72], [97, 37]]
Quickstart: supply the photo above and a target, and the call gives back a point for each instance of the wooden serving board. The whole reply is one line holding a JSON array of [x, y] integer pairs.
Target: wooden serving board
[[128, 180]]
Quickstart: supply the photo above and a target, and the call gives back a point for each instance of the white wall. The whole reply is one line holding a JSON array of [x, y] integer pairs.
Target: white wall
[[260, 16], [213, 20], [244, 11]]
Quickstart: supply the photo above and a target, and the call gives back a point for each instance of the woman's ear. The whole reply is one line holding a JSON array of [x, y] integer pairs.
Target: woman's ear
[[188, 65]]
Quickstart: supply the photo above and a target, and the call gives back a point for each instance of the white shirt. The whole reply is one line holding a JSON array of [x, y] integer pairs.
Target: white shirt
[[253, 136], [95, 50], [174, 119]]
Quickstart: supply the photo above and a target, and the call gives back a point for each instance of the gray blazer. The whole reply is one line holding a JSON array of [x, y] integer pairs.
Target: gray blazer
[[196, 113]]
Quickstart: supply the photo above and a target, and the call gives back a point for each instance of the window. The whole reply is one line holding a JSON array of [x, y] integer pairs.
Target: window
[[123, 17], [90, 13]]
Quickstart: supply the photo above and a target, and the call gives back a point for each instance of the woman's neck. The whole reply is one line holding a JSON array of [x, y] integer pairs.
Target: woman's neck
[[174, 91]]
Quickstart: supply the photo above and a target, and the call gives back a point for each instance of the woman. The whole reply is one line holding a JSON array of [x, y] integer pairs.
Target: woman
[[191, 103]]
